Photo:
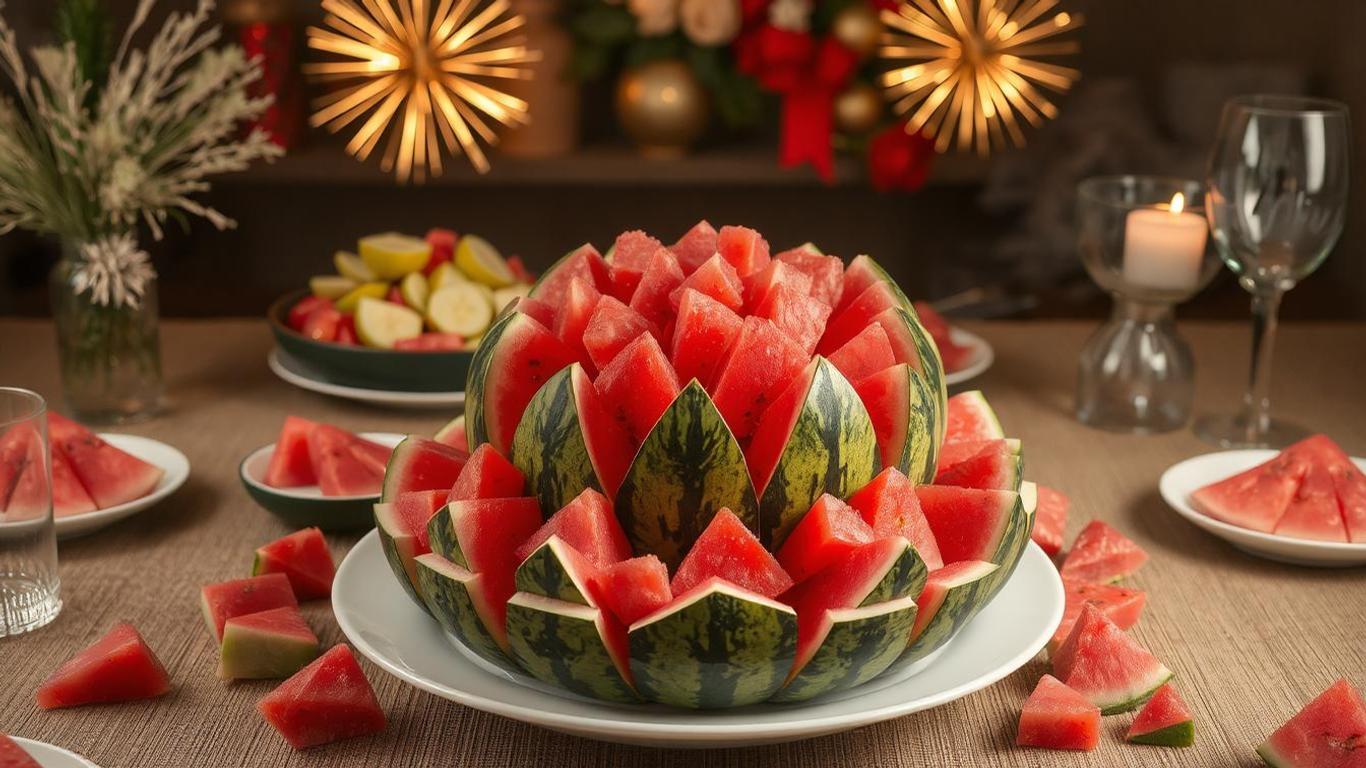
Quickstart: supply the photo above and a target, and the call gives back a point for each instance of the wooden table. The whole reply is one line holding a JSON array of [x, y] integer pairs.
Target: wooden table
[[1250, 640]]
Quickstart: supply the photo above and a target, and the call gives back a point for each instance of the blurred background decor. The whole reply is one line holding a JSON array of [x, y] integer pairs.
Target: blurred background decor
[[266, 31]]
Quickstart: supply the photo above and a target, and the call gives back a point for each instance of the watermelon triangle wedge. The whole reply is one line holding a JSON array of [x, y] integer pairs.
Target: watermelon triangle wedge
[[118, 667], [109, 475], [1101, 555], [1330, 732], [1165, 721], [1057, 717], [1100, 661], [326, 701]]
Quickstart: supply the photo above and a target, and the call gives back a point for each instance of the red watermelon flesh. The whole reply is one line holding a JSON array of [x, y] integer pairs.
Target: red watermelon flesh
[[487, 475], [609, 446], [968, 523], [826, 272], [326, 701], [761, 364], [1255, 498], [31, 496], [269, 644], [526, 357], [775, 429], [69, 497], [118, 667], [889, 505], [845, 324], [339, 472], [13, 756], [303, 557], [1057, 717], [633, 589], [239, 597], [371, 454], [728, 550], [861, 274], [589, 526], [1050, 520], [579, 302], [442, 242], [290, 465], [705, 331], [1351, 490], [865, 354], [969, 417], [584, 263], [1121, 605], [1330, 732], [628, 260], [715, 278], [488, 531], [895, 323], [1165, 720], [413, 510], [844, 584], [1313, 512], [744, 248], [612, 326], [536, 309], [454, 434], [651, 299], [829, 532], [1101, 554], [886, 397], [938, 585], [695, 246], [796, 314], [109, 475], [999, 470], [638, 386], [954, 453], [760, 285], [1103, 663], [14, 458], [954, 355]]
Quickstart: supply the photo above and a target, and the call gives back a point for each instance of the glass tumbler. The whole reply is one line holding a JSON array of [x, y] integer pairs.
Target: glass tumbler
[[29, 588]]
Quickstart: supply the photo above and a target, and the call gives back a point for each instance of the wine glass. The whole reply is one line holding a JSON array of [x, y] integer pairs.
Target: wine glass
[[1276, 199]]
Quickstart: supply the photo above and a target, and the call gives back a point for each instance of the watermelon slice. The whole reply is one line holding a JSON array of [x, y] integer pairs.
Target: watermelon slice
[[118, 667], [847, 323], [633, 589], [651, 298], [695, 246], [1350, 486], [326, 701], [760, 285], [453, 434], [992, 469], [762, 363], [1255, 498], [239, 597], [798, 315], [952, 596], [303, 558], [402, 526], [588, 525], [14, 458], [954, 355], [109, 475], [705, 331], [890, 506], [487, 475], [14, 756], [543, 632], [339, 471], [861, 274], [420, 464], [826, 272], [536, 309], [849, 647], [1050, 520], [30, 496], [461, 603], [1330, 732], [901, 403], [829, 532], [1313, 512], [290, 465], [573, 316], [612, 326], [1104, 664], [628, 259], [266, 645], [958, 452], [730, 551], [744, 248], [638, 386], [482, 535], [1121, 605], [1057, 717], [371, 454], [1164, 721], [715, 278], [517, 356], [865, 354], [584, 263], [1101, 554], [970, 417], [69, 497]]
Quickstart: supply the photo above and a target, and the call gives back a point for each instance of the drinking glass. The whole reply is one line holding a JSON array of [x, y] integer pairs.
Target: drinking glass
[[1276, 198], [29, 588]]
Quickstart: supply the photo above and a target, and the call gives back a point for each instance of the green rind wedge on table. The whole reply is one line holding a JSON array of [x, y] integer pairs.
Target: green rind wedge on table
[[400, 550], [566, 645], [553, 571], [454, 595], [550, 446], [860, 644]]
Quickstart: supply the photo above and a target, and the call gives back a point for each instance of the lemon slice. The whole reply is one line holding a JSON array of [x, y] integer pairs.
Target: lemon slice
[[459, 308], [505, 296], [381, 323], [445, 274], [413, 289], [330, 286], [348, 302], [482, 262], [350, 265], [391, 255]]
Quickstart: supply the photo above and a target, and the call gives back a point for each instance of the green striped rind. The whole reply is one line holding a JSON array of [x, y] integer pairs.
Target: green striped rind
[[832, 449], [549, 446], [561, 644], [983, 412], [720, 647], [559, 263], [1128, 699], [1013, 542], [441, 535], [861, 644], [687, 469], [881, 274], [961, 604], [399, 552], [549, 572], [1176, 735], [447, 590], [904, 577], [476, 430], [931, 368], [924, 429]]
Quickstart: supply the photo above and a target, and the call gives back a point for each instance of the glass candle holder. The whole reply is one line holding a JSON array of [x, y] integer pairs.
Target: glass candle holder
[[1145, 241]]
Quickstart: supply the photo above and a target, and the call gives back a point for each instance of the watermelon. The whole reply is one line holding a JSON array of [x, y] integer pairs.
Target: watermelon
[[584, 263], [421, 464], [970, 417], [1313, 512], [612, 326], [901, 404], [865, 354], [1330, 732], [1255, 498], [326, 701], [638, 386], [453, 434], [1057, 717], [402, 526], [1051, 520], [482, 536], [303, 558], [887, 569], [745, 249], [110, 476], [1351, 490], [728, 550], [239, 597], [799, 316], [955, 355], [861, 274], [1101, 662], [826, 272], [826, 534], [587, 524], [572, 317], [963, 450], [975, 524], [715, 278], [290, 465], [30, 495], [716, 646], [373, 455], [815, 438], [633, 589], [14, 756], [568, 441], [705, 331], [461, 603], [16, 446], [487, 475], [517, 355], [847, 323], [889, 505], [339, 471], [761, 364], [687, 469], [442, 243], [536, 309], [1101, 554], [69, 497], [1121, 605], [1164, 721], [556, 570], [951, 598], [760, 285], [695, 246], [572, 646], [118, 667], [912, 346], [849, 647], [993, 470], [270, 644], [628, 258], [651, 298]]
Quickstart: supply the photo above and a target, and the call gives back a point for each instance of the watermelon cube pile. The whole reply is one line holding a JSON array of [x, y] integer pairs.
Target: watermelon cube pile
[[338, 462]]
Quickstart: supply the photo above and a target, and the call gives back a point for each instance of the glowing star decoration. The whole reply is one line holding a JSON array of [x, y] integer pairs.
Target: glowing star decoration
[[423, 77], [976, 67]]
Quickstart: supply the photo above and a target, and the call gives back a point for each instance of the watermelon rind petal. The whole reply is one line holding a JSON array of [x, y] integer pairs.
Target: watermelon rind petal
[[1180, 734], [562, 644], [477, 431], [960, 605], [399, 552], [447, 588], [1119, 701], [550, 447], [549, 572], [859, 644]]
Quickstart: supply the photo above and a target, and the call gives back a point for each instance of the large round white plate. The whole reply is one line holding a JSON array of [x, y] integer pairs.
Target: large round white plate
[[49, 756], [175, 468], [978, 362], [388, 628], [300, 375], [1183, 479]]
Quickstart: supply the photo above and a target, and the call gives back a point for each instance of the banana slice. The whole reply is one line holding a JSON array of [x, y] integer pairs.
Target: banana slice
[[459, 308], [349, 302], [413, 288], [350, 265], [391, 255], [478, 258], [445, 274], [330, 286], [381, 323]]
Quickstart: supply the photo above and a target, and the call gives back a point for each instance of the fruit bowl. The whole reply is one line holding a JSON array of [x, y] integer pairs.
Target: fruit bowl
[[306, 506]]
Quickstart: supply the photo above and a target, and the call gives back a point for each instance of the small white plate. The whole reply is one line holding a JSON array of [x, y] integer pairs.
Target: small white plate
[[49, 756], [307, 506], [388, 628], [296, 373], [978, 362], [175, 468], [1183, 479]]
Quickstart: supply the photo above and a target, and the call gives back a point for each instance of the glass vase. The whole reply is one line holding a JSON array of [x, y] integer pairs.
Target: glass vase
[[110, 355]]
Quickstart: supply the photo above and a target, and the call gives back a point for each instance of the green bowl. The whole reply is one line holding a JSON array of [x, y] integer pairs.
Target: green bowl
[[369, 367], [303, 507]]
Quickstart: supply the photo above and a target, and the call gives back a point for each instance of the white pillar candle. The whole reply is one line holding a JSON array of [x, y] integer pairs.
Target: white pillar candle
[[1164, 247]]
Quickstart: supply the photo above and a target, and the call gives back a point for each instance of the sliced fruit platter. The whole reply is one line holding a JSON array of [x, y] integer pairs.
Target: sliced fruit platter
[[782, 505]]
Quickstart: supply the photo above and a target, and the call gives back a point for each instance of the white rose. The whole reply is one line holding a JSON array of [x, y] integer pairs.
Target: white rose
[[710, 22], [654, 17]]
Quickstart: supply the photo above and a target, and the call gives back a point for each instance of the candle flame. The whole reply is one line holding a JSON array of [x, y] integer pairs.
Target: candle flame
[[1178, 203]]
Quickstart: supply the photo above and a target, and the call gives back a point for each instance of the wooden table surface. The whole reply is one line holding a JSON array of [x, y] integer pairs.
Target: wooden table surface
[[1250, 640]]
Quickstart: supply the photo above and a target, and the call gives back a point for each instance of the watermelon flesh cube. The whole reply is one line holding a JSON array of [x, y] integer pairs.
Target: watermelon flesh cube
[[1104, 664], [760, 285], [239, 597], [638, 386], [1256, 498], [270, 644], [744, 248], [118, 667], [1057, 717], [290, 465], [695, 246], [414, 510], [326, 701], [633, 589], [826, 272], [829, 532], [865, 354], [69, 497], [801, 317], [760, 366], [651, 298], [339, 472], [1329, 732], [1101, 554], [573, 316], [1313, 513], [890, 506], [303, 557], [487, 475], [634, 249], [109, 475], [715, 278], [1121, 605], [1050, 520], [420, 464], [1164, 721], [612, 326], [705, 331], [584, 263], [11, 754], [589, 526], [730, 551], [847, 323]]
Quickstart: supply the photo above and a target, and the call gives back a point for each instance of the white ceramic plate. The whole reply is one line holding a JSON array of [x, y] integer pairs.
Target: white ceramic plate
[[253, 470], [978, 362], [173, 463], [49, 756], [307, 506], [296, 373], [1181, 480], [388, 628]]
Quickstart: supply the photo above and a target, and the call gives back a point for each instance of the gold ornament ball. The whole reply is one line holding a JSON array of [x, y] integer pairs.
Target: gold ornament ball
[[858, 109], [662, 107], [858, 28]]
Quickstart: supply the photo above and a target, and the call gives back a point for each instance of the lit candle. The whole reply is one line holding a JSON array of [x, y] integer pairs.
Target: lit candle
[[1164, 246]]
